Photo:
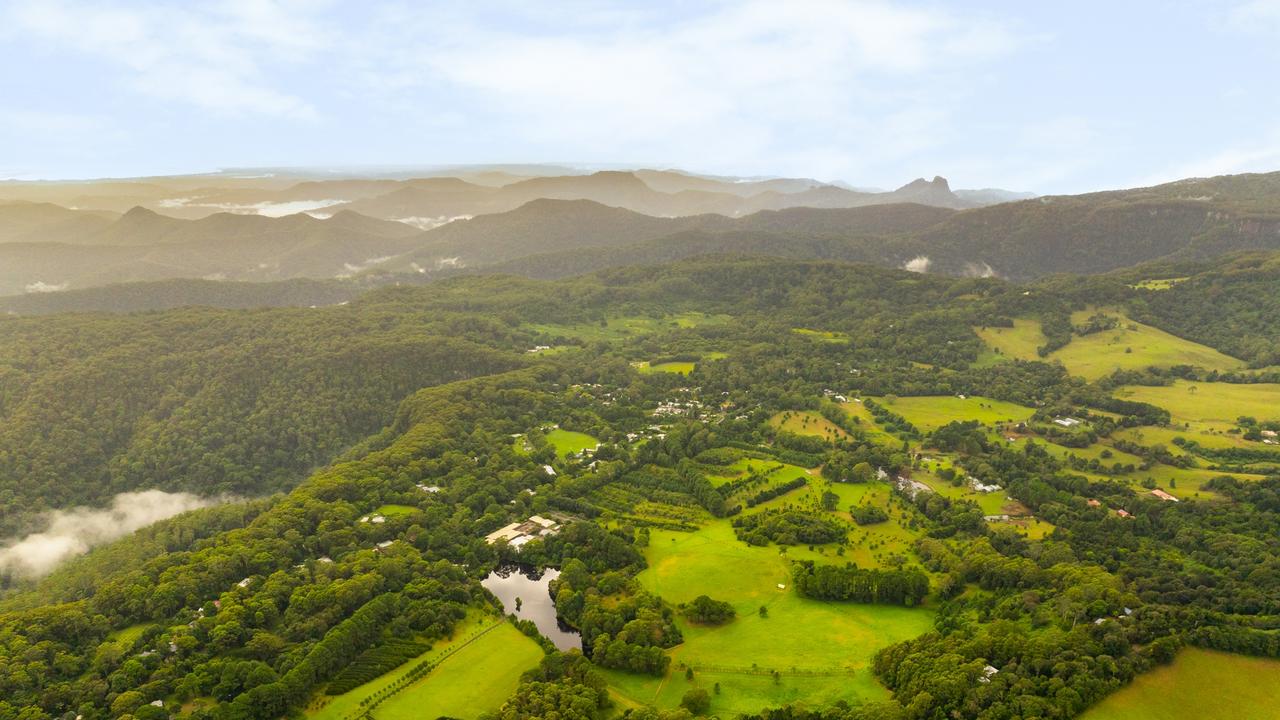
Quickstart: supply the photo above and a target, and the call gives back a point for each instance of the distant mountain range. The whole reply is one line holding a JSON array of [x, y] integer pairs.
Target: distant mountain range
[[563, 225]]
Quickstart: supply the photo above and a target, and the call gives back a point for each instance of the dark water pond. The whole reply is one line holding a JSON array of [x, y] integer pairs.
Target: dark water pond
[[512, 581]]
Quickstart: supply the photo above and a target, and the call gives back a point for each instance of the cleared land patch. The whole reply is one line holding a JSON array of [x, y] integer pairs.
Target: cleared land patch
[[805, 422], [933, 411], [1130, 345], [1211, 403], [798, 637], [1199, 685]]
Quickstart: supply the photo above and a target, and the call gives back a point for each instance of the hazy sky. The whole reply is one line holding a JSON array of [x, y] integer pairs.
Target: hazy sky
[[1043, 96]]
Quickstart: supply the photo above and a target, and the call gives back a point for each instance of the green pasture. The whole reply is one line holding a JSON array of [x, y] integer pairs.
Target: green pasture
[[627, 326], [1018, 342], [868, 424], [568, 442], [806, 422], [822, 335], [395, 510], [1199, 685], [931, 412], [1215, 404], [679, 368], [1129, 346], [474, 680], [797, 635]]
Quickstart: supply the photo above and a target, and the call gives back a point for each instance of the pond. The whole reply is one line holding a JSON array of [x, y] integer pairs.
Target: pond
[[531, 587]]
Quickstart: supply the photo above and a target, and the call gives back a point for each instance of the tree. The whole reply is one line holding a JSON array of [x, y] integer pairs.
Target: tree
[[696, 701]]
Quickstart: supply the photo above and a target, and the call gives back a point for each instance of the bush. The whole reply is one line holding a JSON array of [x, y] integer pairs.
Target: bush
[[696, 701]]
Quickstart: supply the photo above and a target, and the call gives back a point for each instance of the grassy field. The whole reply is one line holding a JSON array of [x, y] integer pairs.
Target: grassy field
[[472, 681], [1199, 685], [822, 335], [804, 422], [1132, 345], [568, 442], [1209, 403], [619, 328], [868, 424], [395, 510], [681, 368], [127, 636], [838, 638], [932, 412], [1018, 342]]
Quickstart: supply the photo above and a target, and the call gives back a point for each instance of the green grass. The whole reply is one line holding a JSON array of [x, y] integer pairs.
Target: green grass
[[395, 510], [798, 633], [1199, 685], [1131, 345], [325, 707], [568, 442], [1018, 342], [629, 326], [474, 680], [805, 422], [127, 636], [823, 335], [680, 368], [933, 411], [868, 424], [1210, 403]]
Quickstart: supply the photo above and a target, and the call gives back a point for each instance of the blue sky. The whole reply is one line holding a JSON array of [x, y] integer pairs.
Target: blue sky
[[1043, 96]]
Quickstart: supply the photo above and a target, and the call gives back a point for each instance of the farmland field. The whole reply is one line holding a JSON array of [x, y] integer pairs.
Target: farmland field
[[803, 422], [1199, 685], [1130, 346], [837, 638], [933, 411], [1214, 403], [470, 682], [680, 368], [1133, 345], [822, 335], [1018, 342]]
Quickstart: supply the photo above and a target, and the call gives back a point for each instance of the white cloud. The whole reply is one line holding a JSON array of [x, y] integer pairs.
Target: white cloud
[[211, 57], [1255, 16], [918, 264], [780, 84], [73, 532]]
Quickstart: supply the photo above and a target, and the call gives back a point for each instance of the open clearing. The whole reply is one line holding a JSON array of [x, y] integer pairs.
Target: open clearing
[[808, 635], [1018, 342], [618, 328], [822, 335], [680, 368], [868, 424], [933, 411], [474, 680], [568, 442], [1214, 403], [1129, 346], [1199, 685], [805, 422]]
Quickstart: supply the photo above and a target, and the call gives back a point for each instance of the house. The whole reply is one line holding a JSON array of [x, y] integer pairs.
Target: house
[[996, 518], [1270, 434], [244, 583], [1123, 513], [988, 672], [981, 487], [1094, 503], [375, 519], [550, 471], [1164, 495], [384, 545], [518, 533], [429, 488], [1066, 422]]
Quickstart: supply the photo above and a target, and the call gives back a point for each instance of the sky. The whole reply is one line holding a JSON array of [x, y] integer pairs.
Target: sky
[[1050, 97]]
